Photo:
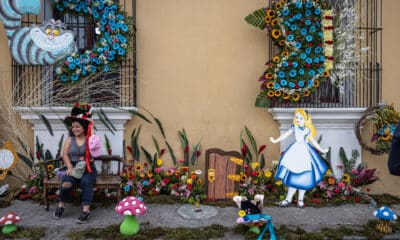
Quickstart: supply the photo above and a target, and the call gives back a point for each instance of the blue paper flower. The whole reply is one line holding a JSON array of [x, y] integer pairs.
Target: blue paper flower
[[283, 82], [301, 83], [290, 37], [292, 73]]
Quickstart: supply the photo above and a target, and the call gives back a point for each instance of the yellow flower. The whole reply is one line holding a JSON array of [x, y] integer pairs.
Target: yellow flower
[[236, 160], [268, 19], [316, 83], [189, 181], [268, 173], [282, 42], [254, 165], [270, 12], [259, 173], [270, 84], [285, 53], [286, 95], [159, 162], [296, 97], [269, 76], [199, 181], [328, 172], [234, 177], [142, 175], [276, 59], [278, 183], [242, 213], [346, 178], [243, 177], [270, 93], [307, 93], [50, 167], [278, 93], [231, 194], [138, 168], [276, 33]]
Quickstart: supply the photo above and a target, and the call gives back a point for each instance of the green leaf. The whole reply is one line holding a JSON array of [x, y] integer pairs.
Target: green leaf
[[262, 161], [171, 153], [257, 18], [147, 155], [60, 142], [102, 119], [252, 140], [26, 160], [134, 143], [108, 145], [107, 119], [262, 100], [194, 158], [158, 122], [48, 156], [136, 113], [156, 144], [47, 124]]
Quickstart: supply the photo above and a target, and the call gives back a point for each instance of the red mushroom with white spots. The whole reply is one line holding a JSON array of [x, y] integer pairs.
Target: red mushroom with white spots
[[130, 207], [8, 222]]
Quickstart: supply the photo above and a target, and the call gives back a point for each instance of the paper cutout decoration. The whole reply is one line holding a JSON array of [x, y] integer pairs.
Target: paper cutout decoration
[[34, 45], [8, 159], [300, 167]]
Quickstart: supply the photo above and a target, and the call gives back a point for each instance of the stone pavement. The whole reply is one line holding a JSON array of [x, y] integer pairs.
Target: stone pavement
[[184, 215]]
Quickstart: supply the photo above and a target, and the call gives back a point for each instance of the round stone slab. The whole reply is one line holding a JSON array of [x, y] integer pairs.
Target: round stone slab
[[192, 212]]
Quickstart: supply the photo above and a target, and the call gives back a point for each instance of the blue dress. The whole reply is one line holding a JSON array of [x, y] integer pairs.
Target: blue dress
[[300, 165]]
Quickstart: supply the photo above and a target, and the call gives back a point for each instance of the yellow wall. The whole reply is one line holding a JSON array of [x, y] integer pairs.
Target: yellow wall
[[198, 63]]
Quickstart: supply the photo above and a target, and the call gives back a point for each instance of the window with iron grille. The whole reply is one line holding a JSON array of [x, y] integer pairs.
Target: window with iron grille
[[360, 77], [37, 86]]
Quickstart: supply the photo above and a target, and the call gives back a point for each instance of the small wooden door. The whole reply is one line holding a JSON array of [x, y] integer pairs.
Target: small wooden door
[[217, 161]]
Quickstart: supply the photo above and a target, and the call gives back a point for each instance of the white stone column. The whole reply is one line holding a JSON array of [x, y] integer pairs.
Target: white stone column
[[117, 116], [335, 125]]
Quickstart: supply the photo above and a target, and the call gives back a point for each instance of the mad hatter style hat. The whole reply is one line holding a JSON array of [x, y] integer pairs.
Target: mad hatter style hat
[[81, 112]]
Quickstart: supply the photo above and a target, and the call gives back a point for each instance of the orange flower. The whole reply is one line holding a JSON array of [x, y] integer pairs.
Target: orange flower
[[295, 97], [270, 12], [331, 181], [316, 83], [50, 167], [269, 75], [278, 93], [276, 33], [267, 19], [270, 93], [307, 93], [270, 84], [286, 95], [274, 21], [326, 74]]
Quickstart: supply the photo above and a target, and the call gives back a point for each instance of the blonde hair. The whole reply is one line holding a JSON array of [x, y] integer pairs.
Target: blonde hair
[[307, 121]]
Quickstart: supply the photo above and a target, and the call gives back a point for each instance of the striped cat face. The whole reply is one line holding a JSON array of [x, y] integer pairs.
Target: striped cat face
[[53, 37]]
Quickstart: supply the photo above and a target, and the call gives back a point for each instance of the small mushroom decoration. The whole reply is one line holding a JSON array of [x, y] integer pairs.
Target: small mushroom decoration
[[8, 222], [385, 215], [130, 207]]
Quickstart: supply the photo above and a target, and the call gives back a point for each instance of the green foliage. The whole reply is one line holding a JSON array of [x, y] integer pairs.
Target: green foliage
[[348, 164], [257, 18], [262, 100]]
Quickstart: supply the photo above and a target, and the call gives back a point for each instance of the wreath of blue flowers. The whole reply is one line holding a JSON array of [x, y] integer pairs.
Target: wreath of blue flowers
[[112, 43]]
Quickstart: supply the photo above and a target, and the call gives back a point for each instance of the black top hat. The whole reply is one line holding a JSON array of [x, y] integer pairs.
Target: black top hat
[[80, 112]]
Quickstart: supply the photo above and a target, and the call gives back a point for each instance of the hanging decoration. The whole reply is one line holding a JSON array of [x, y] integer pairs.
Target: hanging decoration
[[34, 45], [114, 32], [303, 32], [8, 159]]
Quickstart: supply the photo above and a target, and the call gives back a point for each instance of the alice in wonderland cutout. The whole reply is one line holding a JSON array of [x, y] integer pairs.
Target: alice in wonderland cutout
[[8, 159], [300, 167], [34, 45]]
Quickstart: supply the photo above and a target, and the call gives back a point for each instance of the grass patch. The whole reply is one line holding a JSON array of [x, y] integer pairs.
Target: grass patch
[[112, 232], [26, 233]]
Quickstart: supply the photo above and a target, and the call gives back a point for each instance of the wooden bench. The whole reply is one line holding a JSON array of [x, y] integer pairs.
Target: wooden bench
[[105, 178]]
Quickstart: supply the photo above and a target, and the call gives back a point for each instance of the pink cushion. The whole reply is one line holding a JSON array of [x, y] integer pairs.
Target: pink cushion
[[95, 146]]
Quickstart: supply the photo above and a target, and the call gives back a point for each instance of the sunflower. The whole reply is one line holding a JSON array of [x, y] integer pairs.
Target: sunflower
[[243, 177], [286, 95], [138, 168], [178, 173], [259, 174], [346, 178], [276, 59], [269, 75], [278, 5], [383, 138], [276, 33], [295, 97], [270, 84], [270, 93], [285, 53], [199, 181], [278, 93], [326, 74], [306, 93], [267, 19], [284, 1], [270, 12], [50, 167], [274, 21], [267, 173], [316, 83], [282, 42]]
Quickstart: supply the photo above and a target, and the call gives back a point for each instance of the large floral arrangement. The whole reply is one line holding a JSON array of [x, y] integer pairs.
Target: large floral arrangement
[[113, 38], [303, 31], [180, 181]]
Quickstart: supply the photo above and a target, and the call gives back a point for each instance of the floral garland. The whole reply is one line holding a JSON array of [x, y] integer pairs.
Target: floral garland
[[303, 31], [112, 44]]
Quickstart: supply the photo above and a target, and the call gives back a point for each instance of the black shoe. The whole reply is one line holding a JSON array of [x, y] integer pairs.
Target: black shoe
[[58, 213], [83, 217]]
